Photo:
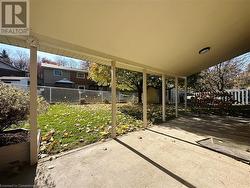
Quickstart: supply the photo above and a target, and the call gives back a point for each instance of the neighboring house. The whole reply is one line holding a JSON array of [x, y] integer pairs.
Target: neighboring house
[[6, 69], [60, 76], [20, 82]]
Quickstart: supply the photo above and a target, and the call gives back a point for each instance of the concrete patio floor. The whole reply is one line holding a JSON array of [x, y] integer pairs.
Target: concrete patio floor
[[233, 129], [161, 156], [148, 159]]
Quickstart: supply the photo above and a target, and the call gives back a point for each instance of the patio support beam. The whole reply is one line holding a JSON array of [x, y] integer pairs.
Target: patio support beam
[[33, 43], [113, 97], [176, 96], [163, 98], [144, 100], [185, 93]]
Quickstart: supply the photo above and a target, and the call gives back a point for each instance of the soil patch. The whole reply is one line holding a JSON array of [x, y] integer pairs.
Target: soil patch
[[13, 137]]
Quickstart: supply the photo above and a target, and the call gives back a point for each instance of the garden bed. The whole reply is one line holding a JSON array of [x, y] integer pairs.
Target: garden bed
[[14, 137], [16, 151], [234, 110]]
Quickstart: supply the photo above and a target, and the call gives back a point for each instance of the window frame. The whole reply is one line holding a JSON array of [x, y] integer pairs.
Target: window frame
[[57, 75], [77, 75]]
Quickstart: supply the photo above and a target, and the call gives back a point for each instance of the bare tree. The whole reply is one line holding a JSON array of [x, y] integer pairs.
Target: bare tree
[[243, 79], [62, 61], [222, 76], [5, 56], [21, 60]]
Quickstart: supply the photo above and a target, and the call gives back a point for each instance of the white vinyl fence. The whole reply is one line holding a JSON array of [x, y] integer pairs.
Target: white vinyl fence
[[70, 95], [241, 96]]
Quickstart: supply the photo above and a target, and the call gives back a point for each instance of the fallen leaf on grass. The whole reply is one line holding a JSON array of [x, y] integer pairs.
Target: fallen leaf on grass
[[65, 134]]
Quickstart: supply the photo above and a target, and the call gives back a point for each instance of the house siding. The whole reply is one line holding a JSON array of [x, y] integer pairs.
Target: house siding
[[49, 79], [88, 84], [78, 81]]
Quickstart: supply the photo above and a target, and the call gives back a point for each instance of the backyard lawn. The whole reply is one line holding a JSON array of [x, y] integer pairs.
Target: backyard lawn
[[66, 126], [69, 126]]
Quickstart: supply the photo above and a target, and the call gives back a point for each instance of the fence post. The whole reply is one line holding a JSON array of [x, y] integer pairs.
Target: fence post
[[247, 96], [238, 99], [79, 91], [50, 95], [242, 97], [235, 97], [102, 96]]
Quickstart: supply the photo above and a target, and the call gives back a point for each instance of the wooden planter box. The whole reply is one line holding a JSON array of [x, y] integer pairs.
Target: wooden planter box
[[16, 154]]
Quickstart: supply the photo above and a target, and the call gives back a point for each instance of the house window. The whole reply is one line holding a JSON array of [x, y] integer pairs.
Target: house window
[[80, 75], [57, 72]]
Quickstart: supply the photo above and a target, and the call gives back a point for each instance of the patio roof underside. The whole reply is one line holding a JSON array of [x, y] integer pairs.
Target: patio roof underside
[[161, 36]]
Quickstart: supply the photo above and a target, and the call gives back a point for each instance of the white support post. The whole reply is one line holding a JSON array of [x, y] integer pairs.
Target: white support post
[[163, 98], [113, 98], [33, 102], [145, 121], [185, 97], [176, 96]]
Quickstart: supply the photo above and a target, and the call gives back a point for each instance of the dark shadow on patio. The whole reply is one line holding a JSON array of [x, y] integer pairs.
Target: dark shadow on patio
[[19, 176], [26, 176], [236, 130], [163, 169], [211, 149]]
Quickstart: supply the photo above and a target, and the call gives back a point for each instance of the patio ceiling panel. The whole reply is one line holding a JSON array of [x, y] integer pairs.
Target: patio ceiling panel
[[161, 36]]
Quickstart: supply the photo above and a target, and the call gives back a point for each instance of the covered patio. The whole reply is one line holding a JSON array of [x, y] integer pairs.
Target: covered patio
[[165, 38], [160, 156]]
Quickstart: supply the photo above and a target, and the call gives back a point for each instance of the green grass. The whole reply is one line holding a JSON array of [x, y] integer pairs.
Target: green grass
[[69, 126], [64, 126]]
